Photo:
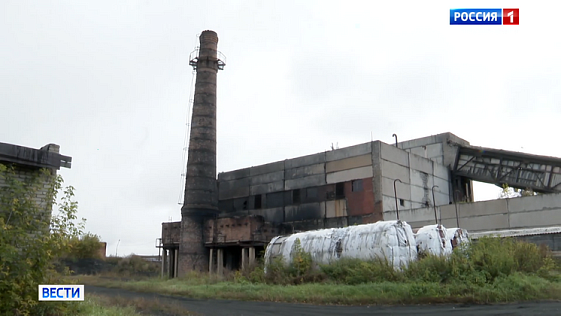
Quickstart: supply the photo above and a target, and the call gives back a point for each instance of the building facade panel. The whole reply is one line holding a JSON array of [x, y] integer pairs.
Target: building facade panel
[[348, 175], [308, 160], [349, 163], [267, 177], [299, 183], [267, 168], [267, 188], [394, 154], [305, 171], [347, 152], [233, 175]]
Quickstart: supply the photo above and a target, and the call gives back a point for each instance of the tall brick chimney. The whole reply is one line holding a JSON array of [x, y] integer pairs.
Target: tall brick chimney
[[201, 194]]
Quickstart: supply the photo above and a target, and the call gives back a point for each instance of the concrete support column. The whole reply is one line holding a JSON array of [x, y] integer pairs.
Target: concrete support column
[[220, 261], [176, 261], [251, 255], [210, 260], [229, 260], [171, 260], [244, 258], [164, 258]]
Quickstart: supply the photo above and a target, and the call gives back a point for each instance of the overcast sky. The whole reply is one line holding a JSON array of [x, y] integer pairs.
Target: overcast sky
[[109, 81]]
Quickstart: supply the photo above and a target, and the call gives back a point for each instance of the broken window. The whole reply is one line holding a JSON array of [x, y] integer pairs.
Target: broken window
[[340, 190], [257, 201], [357, 185], [296, 196]]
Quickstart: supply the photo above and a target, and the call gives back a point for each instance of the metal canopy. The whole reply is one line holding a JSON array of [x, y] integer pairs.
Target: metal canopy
[[518, 170]]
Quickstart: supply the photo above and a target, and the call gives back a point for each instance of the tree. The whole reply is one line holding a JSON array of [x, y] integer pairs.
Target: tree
[[84, 247], [30, 237]]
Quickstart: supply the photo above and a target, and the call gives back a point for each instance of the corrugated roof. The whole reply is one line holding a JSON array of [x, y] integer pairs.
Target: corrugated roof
[[518, 232]]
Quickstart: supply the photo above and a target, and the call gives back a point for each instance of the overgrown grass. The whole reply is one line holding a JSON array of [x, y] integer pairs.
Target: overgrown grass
[[131, 306], [488, 271], [94, 306]]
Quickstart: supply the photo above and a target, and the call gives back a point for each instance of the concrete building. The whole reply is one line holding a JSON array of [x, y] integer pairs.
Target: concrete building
[[228, 220], [355, 185], [27, 164]]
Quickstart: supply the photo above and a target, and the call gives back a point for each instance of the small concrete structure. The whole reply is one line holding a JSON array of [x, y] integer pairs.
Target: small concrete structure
[[28, 162]]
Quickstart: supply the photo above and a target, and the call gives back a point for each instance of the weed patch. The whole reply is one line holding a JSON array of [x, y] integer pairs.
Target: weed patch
[[488, 271]]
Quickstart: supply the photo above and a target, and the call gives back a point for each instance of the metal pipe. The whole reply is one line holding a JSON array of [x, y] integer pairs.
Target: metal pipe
[[456, 206], [395, 135], [395, 195], [434, 203], [117, 248]]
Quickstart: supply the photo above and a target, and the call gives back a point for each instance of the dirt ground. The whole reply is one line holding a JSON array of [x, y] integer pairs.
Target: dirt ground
[[244, 308]]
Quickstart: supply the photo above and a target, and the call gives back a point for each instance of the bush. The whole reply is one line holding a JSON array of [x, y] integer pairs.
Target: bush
[[477, 264], [298, 271], [356, 271], [136, 266], [84, 247], [30, 239]]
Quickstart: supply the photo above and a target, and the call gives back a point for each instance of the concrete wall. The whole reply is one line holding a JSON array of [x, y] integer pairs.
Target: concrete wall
[[515, 213], [417, 175], [171, 234], [268, 190], [237, 230], [439, 148], [552, 241], [27, 165], [41, 198], [306, 189]]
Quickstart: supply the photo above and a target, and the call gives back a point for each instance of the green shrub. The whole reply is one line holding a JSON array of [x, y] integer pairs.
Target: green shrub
[[301, 261], [86, 246], [356, 271], [278, 272], [136, 266], [30, 239], [431, 268]]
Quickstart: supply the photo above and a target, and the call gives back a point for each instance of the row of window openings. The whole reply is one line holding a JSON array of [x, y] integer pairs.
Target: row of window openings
[[312, 193]]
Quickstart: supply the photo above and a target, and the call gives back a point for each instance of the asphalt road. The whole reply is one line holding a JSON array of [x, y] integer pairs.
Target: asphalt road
[[244, 308]]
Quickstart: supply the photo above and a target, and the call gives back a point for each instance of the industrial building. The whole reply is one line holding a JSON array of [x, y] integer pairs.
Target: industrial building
[[228, 219]]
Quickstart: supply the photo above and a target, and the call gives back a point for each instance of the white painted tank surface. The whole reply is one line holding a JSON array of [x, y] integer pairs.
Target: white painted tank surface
[[391, 240], [433, 239], [457, 236]]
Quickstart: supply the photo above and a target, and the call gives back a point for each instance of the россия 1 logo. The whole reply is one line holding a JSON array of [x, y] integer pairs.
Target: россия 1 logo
[[484, 16]]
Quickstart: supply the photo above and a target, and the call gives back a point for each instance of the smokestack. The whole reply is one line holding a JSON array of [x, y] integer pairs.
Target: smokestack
[[201, 194]]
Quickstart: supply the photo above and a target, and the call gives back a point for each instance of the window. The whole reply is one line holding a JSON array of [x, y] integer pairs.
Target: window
[[357, 185], [257, 201], [296, 196], [339, 190], [311, 192], [275, 199], [402, 202]]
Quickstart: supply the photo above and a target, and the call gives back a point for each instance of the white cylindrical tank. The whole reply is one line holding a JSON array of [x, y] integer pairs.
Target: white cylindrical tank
[[390, 240], [433, 239], [457, 236]]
